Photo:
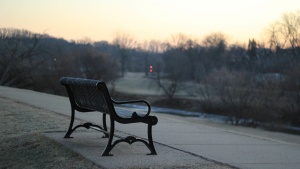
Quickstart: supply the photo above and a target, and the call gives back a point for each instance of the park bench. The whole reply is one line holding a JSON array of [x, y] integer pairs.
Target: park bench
[[87, 95]]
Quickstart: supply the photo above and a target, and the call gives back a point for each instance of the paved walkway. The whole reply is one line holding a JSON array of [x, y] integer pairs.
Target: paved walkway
[[179, 140]]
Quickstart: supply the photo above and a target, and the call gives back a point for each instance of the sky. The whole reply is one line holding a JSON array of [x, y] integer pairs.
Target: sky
[[97, 20]]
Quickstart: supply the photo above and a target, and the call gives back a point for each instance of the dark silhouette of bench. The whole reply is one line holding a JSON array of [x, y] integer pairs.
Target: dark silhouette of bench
[[88, 95]]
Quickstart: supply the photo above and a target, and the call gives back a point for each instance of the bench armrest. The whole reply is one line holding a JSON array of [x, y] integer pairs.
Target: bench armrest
[[134, 101]]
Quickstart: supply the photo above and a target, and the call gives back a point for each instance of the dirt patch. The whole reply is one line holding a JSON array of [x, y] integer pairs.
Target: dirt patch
[[24, 146]]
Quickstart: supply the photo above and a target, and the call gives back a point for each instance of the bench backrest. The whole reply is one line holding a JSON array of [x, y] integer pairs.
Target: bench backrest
[[88, 95]]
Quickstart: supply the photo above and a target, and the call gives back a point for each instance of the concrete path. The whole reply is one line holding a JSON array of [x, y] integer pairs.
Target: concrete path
[[184, 142]]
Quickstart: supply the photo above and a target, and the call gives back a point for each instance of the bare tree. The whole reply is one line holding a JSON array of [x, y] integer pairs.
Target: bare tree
[[234, 94], [215, 40], [285, 33], [125, 42], [274, 40], [176, 66], [216, 45], [95, 65], [291, 29], [149, 49], [190, 49], [20, 54]]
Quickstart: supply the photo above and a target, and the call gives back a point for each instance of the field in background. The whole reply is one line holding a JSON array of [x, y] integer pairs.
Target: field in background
[[139, 84]]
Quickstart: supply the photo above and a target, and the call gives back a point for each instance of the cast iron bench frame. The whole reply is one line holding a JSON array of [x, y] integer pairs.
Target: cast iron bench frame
[[87, 95]]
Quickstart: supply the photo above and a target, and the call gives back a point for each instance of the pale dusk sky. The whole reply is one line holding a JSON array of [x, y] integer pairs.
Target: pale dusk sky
[[99, 20]]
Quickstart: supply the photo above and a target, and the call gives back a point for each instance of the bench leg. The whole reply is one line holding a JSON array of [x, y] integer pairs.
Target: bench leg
[[151, 145], [104, 125], [70, 130], [109, 145], [130, 139], [86, 125]]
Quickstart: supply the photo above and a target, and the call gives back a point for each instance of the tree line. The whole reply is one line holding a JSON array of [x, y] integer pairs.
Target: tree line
[[253, 84]]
